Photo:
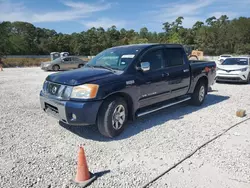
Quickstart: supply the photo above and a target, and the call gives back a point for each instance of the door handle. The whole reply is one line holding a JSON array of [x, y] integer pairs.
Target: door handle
[[186, 70]]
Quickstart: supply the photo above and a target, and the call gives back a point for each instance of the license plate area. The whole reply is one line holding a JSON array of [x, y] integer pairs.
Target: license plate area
[[51, 108]]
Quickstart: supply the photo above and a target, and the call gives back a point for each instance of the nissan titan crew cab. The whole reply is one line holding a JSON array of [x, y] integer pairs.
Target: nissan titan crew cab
[[125, 82]]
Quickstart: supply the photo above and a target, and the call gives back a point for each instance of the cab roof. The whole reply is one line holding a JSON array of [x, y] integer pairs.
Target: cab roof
[[147, 45]]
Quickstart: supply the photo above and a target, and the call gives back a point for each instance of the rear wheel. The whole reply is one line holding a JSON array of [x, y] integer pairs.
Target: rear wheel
[[199, 94], [56, 68], [112, 117]]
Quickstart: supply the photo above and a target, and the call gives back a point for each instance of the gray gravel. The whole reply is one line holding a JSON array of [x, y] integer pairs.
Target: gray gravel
[[35, 151]]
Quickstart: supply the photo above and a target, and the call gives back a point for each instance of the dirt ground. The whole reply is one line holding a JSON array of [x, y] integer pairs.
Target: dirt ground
[[37, 151]]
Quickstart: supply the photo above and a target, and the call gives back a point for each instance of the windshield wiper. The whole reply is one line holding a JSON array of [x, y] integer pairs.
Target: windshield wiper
[[104, 67]]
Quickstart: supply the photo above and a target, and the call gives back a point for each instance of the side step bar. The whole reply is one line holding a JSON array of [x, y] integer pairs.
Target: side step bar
[[162, 107]]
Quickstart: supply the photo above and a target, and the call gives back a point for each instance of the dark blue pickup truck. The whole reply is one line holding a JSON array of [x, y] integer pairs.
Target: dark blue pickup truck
[[125, 82]]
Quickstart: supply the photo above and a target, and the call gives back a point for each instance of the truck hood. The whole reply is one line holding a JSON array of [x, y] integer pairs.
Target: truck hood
[[80, 76], [232, 67]]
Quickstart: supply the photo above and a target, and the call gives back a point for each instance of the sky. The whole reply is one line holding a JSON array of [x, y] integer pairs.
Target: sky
[[68, 16]]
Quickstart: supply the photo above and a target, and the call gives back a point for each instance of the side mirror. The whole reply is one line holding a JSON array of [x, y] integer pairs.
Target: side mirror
[[145, 66]]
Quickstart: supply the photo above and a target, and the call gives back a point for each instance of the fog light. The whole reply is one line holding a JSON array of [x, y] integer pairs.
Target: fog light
[[73, 117]]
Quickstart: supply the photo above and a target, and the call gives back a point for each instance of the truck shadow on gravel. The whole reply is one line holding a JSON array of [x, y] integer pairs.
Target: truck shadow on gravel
[[141, 124]]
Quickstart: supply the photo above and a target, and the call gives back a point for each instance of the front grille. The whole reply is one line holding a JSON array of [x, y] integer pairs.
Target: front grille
[[53, 88], [57, 90], [229, 78]]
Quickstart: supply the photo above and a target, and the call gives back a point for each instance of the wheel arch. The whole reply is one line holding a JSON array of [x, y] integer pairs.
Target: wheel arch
[[203, 79], [56, 65], [128, 99]]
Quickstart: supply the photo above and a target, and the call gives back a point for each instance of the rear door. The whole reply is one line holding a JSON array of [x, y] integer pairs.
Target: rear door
[[153, 85], [178, 70]]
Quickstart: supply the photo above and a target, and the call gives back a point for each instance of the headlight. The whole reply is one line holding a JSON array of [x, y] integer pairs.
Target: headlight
[[243, 70], [86, 91]]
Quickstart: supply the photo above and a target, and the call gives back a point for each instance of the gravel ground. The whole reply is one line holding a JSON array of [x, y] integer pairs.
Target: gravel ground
[[35, 151]]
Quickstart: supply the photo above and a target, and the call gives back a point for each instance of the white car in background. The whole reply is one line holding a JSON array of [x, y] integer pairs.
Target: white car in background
[[234, 69], [223, 57]]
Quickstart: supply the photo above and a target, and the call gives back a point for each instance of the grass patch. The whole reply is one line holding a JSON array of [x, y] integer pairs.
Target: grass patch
[[23, 62]]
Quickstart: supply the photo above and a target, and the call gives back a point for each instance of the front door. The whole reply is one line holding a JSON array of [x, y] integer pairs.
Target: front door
[[153, 85], [178, 71], [66, 63]]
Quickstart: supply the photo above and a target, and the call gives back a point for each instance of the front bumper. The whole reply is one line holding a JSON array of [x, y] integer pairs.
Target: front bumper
[[71, 112], [234, 76], [46, 68]]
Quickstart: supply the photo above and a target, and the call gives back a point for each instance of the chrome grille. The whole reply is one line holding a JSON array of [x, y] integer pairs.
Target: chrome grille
[[53, 88], [57, 90]]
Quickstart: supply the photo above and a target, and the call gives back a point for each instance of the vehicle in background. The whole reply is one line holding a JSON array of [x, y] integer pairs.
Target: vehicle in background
[[234, 69], [223, 57], [64, 63], [125, 82]]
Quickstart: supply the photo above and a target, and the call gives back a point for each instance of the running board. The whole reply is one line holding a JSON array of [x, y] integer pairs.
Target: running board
[[162, 107]]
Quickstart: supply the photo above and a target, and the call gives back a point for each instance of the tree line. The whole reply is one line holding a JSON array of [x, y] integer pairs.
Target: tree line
[[214, 36]]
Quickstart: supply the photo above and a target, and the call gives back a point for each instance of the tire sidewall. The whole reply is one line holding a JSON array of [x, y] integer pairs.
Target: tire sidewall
[[105, 119], [195, 97], [56, 69]]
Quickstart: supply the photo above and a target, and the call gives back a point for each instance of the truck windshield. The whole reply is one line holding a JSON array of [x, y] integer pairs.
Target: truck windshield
[[235, 61], [115, 58]]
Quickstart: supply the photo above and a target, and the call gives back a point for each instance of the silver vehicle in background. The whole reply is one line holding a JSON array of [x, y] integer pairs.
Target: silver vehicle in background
[[63, 63], [223, 57]]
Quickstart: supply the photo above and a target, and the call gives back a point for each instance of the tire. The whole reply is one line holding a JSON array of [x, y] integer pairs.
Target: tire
[[55, 68], [199, 94], [80, 66], [106, 120]]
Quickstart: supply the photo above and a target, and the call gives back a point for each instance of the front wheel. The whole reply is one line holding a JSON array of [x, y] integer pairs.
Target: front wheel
[[199, 94], [112, 117], [56, 68]]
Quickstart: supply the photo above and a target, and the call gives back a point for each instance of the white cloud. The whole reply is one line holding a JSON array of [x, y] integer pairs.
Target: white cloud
[[105, 23], [183, 9], [189, 10], [219, 14], [197, 10], [74, 10]]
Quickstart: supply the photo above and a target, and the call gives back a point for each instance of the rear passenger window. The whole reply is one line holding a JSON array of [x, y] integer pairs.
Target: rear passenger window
[[174, 57], [155, 58], [67, 59]]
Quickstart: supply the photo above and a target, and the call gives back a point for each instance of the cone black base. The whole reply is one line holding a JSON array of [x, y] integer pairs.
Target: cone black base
[[86, 183]]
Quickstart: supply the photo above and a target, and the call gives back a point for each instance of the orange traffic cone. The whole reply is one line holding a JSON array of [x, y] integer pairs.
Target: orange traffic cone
[[83, 176]]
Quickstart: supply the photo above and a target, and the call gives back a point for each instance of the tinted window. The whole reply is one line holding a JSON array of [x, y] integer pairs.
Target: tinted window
[[75, 59], [235, 61], [117, 58], [67, 59], [155, 58], [174, 56]]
